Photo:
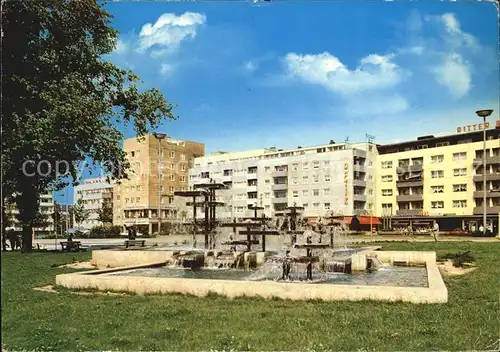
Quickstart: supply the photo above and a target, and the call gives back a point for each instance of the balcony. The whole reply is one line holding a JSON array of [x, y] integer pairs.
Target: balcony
[[252, 176], [410, 198], [409, 212], [359, 197], [489, 177], [359, 168], [359, 183], [279, 173], [410, 183], [279, 186], [489, 210], [227, 178], [409, 168], [252, 188], [280, 200], [359, 153], [489, 194], [490, 160]]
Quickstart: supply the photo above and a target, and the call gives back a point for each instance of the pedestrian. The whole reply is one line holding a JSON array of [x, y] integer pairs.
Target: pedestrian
[[435, 231]]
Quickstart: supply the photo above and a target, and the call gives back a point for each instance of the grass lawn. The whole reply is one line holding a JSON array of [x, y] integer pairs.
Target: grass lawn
[[65, 321]]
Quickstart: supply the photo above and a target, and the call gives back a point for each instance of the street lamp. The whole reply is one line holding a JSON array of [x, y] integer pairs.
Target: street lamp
[[484, 114], [159, 137]]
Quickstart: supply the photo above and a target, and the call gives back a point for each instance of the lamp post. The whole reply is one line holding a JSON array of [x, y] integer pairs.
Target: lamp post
[[159, 137], [484, 114]]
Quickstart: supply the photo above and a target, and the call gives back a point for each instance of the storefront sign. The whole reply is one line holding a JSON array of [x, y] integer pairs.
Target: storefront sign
[[476, 127]]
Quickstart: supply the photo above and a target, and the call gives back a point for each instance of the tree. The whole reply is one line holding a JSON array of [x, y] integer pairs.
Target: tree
[[105, 213], [80, 213], [62, 102]]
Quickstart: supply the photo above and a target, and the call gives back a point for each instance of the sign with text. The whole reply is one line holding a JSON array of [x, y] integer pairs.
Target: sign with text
[[476, 127]]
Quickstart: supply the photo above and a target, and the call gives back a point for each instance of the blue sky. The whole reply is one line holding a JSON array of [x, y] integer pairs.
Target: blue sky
[[249, 75]]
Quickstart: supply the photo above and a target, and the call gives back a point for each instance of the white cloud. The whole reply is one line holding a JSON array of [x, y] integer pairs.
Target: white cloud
[[250, 66], [166, 68], [454, 74], [169, 31], [374, 72], [453, 34], [121, 47]]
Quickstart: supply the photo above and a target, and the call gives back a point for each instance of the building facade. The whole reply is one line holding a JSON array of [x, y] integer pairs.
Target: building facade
[[94, 193], [439, 176], [46, 209], [159, 167], [325, 179]]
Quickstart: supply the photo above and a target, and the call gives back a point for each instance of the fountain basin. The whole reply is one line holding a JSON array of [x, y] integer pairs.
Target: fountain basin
[[117, 279]]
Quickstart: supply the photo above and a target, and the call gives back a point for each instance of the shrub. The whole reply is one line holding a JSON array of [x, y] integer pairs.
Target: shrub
[[106, 231], [458, 259]]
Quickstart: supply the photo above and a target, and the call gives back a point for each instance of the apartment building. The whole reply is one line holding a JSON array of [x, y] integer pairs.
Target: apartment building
[[94, 193], [332, 178], [46, 208], [159, 167], [439, 176]]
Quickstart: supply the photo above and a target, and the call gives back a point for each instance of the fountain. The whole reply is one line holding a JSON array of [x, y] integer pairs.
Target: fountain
[[306, 268]]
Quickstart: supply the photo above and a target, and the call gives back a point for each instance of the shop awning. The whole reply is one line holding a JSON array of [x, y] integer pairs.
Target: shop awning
[[348, 219], [365, 220]]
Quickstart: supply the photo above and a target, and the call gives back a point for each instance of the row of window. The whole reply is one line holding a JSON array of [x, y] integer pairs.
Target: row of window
[[434, 189], [439, 204], [171, 154], [434, 174]]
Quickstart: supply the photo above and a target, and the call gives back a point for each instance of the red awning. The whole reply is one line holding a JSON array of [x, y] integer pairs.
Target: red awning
[[348, 219], [365, 220]]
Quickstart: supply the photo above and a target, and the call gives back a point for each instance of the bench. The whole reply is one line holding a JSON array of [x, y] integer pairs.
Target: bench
[[70, 246], [130, 243]]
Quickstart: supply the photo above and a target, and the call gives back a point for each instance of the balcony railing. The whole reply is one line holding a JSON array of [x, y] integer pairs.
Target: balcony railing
[[491, 176], [410, 198], [490, 160], [279, 173], [279, 186], [489, 194], [409, 212], [280, 200], [489, 210], [410, 182]]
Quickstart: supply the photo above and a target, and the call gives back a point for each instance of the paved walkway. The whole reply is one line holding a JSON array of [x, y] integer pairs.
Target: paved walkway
[[178, 239]]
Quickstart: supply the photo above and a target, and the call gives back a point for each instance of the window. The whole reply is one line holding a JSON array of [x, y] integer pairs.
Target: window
[[172, 154], [183, 157], [305, 205], [460, 172], [267, 169], [326, 191], [386, 164], [183, 167], [327, 206], [182, 178], [315, 164], [305, 193], [327, 178], [267, 181], [267, 195], [267, 207], [387, 192], [387, 178], [437, 189], [326, 163], [442, 144], [315, 178], [295, 167], [295, 180], [437, 173], [459, 204], [171, 189], [305, 180], [305, 165], [437, 205], [132, 154], [295, 194], [460, 188], [171, 177], [435, 159], [172, 166], [315, 192], [459, 156], [315, 205]]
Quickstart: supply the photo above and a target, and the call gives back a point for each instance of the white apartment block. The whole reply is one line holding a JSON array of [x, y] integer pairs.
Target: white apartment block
[[94, 193], [46, 207], [325, 179]]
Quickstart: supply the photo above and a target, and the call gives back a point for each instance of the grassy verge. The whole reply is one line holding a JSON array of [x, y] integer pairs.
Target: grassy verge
[[66, 321]]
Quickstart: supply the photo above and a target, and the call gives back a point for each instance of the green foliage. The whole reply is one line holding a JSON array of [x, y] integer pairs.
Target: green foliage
[[80, 213], [106, 231], [62, 101], [459, 259], [105, 213], [69, 322]]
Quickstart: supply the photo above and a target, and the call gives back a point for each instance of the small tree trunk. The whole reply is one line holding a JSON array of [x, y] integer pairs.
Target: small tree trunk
[[27, 245]]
